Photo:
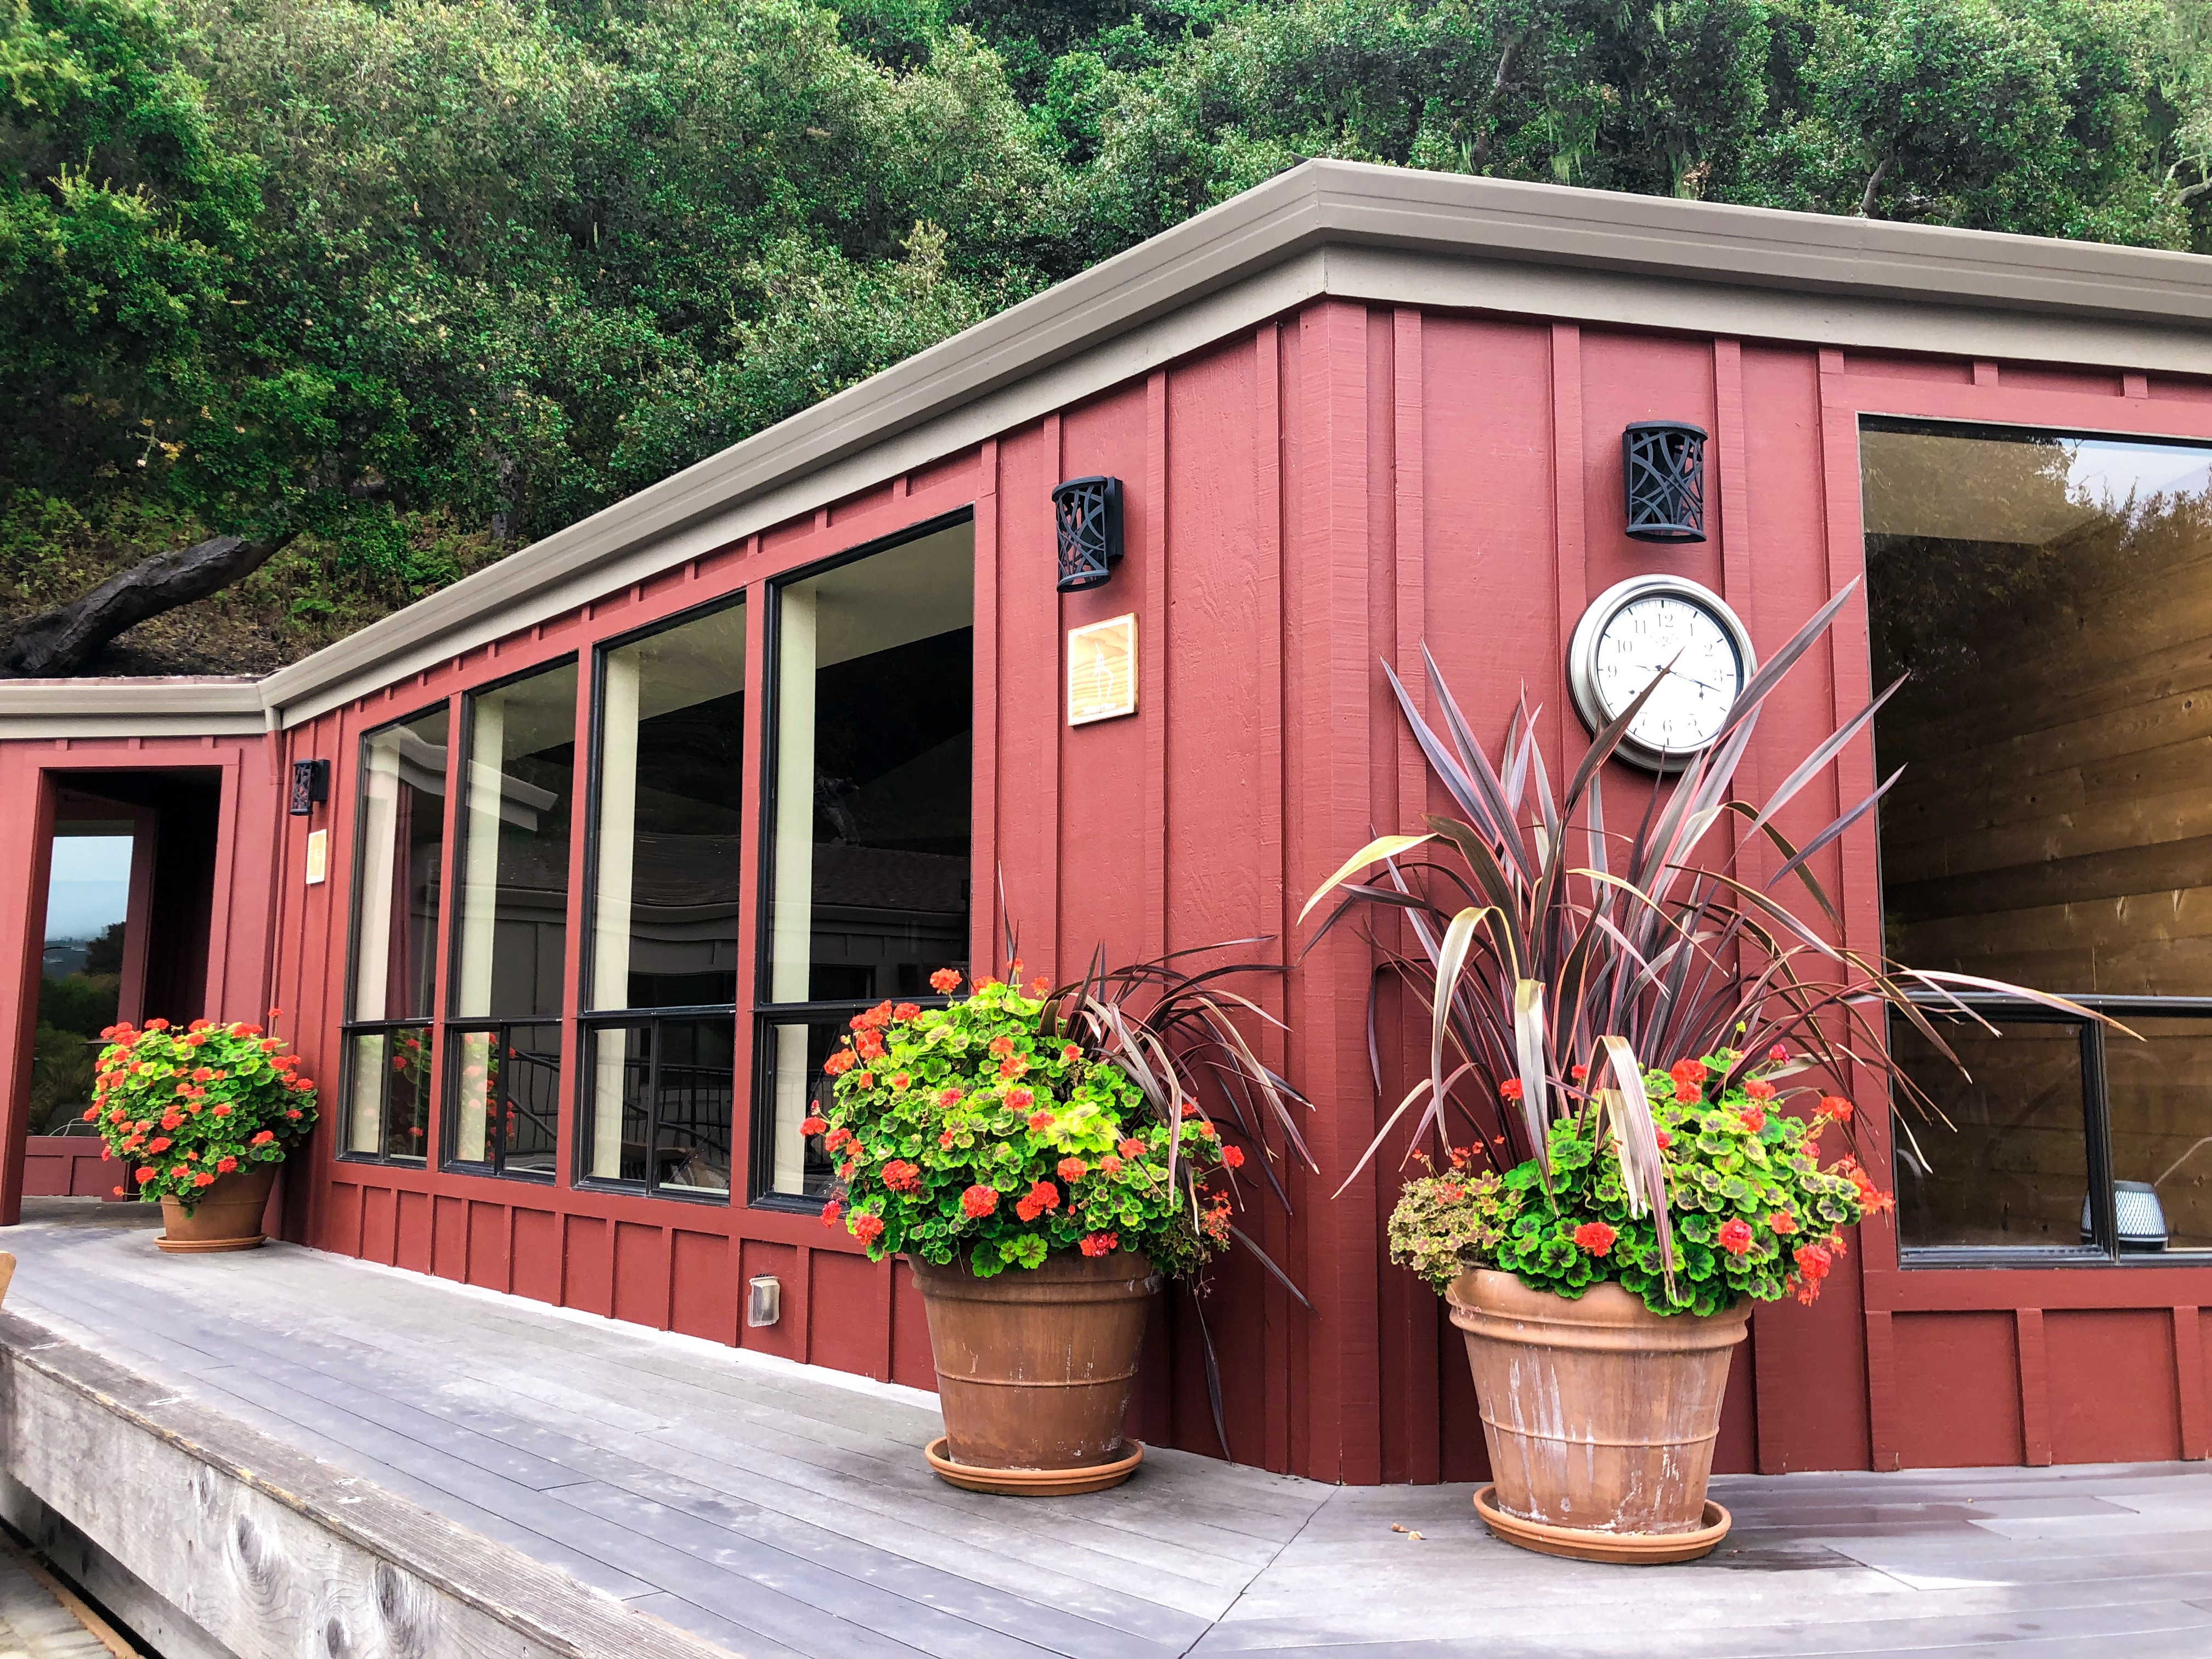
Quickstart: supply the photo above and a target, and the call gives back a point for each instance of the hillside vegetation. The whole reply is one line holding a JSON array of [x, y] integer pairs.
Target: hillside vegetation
[[387, 290]]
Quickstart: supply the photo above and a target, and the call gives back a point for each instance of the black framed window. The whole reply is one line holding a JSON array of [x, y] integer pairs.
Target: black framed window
[[2050, 595], [399, 898], [867, 828], [511, 927], [667, 881]]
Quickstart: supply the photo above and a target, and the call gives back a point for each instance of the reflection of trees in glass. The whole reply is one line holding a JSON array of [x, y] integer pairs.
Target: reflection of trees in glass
[[1944, 608]]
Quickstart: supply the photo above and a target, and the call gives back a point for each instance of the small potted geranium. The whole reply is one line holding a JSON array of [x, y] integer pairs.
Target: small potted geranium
[[202, 1117], [1042, 1160]]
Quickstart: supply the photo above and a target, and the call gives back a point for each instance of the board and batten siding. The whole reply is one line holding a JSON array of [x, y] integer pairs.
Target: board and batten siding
[[1305, 498]]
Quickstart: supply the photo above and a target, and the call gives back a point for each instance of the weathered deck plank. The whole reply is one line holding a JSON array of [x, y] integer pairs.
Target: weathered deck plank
[[782, 1512]]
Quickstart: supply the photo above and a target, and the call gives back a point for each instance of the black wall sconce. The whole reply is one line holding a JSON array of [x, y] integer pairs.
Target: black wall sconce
[[311, 785], [1663, 467], [1087, 515]]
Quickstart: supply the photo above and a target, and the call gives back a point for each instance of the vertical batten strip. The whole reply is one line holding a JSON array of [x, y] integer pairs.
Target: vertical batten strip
[[2034, 1386], [1568, 529], [1278, 1341], [1152, 663], [1414, 1311], [2196, 1410], [1333, 671], [985, 921]]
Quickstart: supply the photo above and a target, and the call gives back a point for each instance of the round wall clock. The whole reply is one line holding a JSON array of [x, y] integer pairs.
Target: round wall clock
[[1634, 631]]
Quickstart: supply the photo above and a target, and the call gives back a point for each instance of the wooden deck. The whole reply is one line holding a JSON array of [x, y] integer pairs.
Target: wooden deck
[[777, 1512]]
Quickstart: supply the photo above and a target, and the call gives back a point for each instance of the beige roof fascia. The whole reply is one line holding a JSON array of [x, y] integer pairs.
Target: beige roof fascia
[[154, 707], [1386, 234]]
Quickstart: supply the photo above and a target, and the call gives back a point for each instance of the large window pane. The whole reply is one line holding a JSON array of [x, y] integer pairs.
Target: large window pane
[[875, 676], [397, 885], [2051, 598], [511, 935], [2013, 1168], [874, 721], [399, 891], [671, 788], [2161, 1090]]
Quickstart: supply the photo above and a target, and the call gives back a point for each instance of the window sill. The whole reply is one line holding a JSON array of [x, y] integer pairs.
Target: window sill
[[2040, 1257], [639, 1189]]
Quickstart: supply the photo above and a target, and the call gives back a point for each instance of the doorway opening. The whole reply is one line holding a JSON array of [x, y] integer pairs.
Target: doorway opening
[[129, 902]]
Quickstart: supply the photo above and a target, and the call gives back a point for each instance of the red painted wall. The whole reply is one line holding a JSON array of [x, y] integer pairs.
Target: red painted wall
[[1332, 488]]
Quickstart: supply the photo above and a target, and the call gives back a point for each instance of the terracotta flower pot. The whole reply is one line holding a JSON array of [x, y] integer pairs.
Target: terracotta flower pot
[[1034, 1370], [228, 1216], [1601, 1416]]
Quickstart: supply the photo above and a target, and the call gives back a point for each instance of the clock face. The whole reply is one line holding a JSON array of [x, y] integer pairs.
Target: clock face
[[1672, 632]]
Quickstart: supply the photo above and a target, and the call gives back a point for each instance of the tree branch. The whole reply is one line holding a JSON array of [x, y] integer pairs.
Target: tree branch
[[1874, 184], [1506, 62], [62, 640]]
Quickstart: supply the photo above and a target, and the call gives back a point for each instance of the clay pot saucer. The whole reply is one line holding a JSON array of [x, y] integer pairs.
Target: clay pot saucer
[[1035, 1483], [1629, 1549]]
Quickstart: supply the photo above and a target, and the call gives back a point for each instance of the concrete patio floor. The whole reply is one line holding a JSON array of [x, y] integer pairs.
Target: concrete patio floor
[[778, 1510]]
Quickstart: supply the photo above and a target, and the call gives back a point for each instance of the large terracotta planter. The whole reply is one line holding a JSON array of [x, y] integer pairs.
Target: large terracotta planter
[[1601, 1416], [1034, 1370], [228, 1216]]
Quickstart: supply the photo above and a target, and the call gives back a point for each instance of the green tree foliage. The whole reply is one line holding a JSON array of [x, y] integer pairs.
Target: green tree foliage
[[408, 283]]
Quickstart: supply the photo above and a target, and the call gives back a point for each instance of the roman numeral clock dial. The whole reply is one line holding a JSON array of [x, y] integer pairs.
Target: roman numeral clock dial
[[1673, 630]]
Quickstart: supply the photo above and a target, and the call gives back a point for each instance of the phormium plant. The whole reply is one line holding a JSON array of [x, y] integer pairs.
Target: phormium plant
[[185, 1106], [1609, 1025]]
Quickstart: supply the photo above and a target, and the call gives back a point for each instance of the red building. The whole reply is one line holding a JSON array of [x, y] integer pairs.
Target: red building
[[564, 874]]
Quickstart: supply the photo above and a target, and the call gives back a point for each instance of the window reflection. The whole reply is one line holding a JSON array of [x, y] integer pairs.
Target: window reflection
[[2013, 1168], [672, 790], [2161, 1090], [399, 891], [874, 722], [2051, 598], [511, 936], [666, 1087]]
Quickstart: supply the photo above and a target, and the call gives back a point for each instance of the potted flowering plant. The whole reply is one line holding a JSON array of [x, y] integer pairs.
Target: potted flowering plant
[[1634, 1035], [202, 1117], [1042, 1159]]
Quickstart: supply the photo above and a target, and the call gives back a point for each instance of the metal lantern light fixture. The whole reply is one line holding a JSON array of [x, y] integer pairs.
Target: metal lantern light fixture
[[1662, 467], [1087, 515]]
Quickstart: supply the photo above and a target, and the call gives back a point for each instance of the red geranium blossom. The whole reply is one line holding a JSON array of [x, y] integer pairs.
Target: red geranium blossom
[[1070, 1054], [948, 1098], [1595, 1237], [1777, 1054], [1035, 1202], [1687, 1071], [225, 1165], [1002, 1046], [907, 1010], [1017, 1100], [1100, 1243], [1510, 1089], [1110, 1164], [1012, 1067], [814, 1126], [1041, 1122], [868, 1228], [838, 1063], [1039, 985], [1836, 1107], [901, 1176], [1759, 1089], [1753, 1119], [900, 1080], [979, 1201], [1073, 1168], [1735, 1236], [263, 1138], [832, 1212], [868, 1046], [945, 981], [1131, 1149], [1782, 1222], [1233, 1156]]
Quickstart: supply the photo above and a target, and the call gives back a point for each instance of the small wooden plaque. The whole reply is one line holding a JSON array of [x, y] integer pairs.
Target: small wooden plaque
[[1102, 670], [319, 856]]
